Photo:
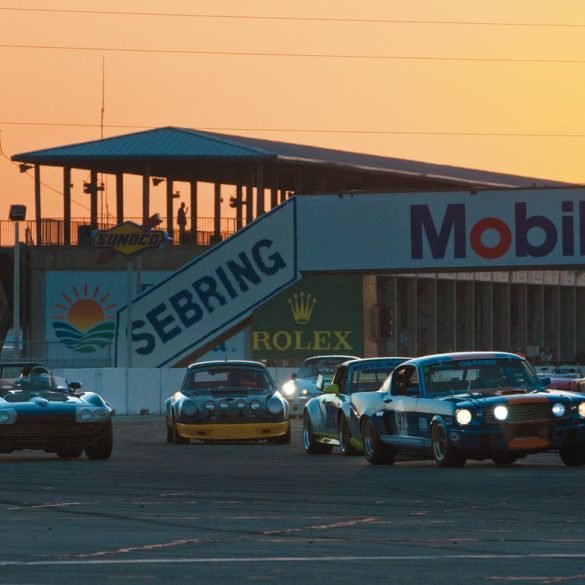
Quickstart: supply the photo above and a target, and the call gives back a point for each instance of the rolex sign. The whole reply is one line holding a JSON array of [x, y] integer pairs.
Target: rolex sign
[[318, 315]]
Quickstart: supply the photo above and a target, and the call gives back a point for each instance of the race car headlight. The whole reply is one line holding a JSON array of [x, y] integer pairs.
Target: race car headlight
[[189, 408], [224, 404], [255, 404], [274, 406], [209, 405], [501, 412], [87, 415], [240, 404], [581, 409], [558, 409], [463, 416], [289, 389], [7, 417]]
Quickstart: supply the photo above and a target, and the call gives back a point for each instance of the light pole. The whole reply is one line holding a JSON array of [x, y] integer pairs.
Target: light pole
[[17, 214]]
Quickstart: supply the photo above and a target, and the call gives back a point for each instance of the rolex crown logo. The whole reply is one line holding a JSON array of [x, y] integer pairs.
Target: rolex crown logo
[[302, 307]]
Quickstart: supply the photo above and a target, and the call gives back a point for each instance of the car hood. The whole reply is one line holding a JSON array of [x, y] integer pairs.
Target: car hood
[[508, 396]]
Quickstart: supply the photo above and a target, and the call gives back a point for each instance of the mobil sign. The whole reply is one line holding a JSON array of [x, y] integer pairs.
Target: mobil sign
[[465, 230]]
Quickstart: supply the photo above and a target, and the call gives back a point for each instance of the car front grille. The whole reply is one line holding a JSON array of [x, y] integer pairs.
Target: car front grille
[[47, 428], [526, 413]]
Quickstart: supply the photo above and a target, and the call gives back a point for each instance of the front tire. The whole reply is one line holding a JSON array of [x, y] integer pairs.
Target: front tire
[[376, 452], [345, 438], [176, 438], [505, 459], [573, 456], [312, 447], [102, 448], [444, 454]]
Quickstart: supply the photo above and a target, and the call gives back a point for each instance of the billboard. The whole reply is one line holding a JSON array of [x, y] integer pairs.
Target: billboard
[[318, 315], [465, 230]]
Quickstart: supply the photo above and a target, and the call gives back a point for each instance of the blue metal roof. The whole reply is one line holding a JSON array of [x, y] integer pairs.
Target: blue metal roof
[[181, 144]]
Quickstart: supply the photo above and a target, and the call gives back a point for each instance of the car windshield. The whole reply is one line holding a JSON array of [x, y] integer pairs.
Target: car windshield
[[481, 375], [214, 378], [326, 367], [36, 379]]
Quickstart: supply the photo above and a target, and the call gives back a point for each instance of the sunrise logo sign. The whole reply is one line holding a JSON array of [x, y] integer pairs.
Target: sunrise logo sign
[[84, 320]]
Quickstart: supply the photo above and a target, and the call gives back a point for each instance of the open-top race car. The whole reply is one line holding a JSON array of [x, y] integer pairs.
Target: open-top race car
[[39, 410]]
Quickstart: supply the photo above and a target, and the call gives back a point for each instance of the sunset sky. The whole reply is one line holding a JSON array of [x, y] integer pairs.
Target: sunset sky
[[496, 85]]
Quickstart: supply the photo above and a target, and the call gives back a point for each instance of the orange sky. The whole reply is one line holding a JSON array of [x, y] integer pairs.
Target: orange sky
[[505, 98]]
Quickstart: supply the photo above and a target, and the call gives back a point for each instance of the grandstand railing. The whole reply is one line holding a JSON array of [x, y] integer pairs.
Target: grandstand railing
[[53, 232]]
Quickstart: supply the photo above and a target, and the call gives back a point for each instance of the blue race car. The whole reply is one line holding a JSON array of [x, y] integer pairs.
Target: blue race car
[[39, 410], [328, 419], [473, 405]]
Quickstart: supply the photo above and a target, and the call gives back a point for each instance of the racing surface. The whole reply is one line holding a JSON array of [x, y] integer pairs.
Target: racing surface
[[260, 513]]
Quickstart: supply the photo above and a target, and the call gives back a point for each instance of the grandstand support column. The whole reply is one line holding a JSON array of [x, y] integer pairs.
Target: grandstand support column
[[119, 198], [93, 190], [259, 190], [170, 207], [67, 206], [250, 199], [217, 213], [239, 207], [145, 195], [38, 214], [194, 212]]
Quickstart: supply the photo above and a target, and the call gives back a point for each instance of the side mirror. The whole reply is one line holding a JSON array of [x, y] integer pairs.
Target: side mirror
[[413, 390], [294, 376], [320, 383], [75, 385], [331, 389], [546, 380]]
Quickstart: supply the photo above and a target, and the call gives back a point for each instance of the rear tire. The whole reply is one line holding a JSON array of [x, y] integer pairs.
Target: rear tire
[[345, 438], [376, 452], [444, 455], [69, 452], [102, 448], [312, 447], [573, 456]]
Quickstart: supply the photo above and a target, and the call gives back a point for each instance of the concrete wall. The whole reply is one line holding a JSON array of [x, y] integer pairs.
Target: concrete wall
[[140, 390]]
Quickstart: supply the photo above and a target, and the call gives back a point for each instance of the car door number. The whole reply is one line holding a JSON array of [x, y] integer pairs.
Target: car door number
[[401, 426]]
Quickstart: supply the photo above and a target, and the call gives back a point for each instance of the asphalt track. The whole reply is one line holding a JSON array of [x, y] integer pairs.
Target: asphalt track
[[259, 513]]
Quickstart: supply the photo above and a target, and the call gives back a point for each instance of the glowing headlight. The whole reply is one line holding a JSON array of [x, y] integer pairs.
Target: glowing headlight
[[463, 416], [581, 409], [5, 417], [189, 408], [224, 404], [289, 389], [209, 405], [558, 409], [274, 406], [501, 412], [255, 404], [240, 404]]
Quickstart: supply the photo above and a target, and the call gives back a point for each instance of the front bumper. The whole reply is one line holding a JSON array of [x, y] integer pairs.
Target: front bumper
[[233, 432], [521, 438]]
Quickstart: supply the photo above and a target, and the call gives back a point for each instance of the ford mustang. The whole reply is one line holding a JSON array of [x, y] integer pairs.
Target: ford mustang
[[39, 410], [473, 405], [327, 419], [227, 400]]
